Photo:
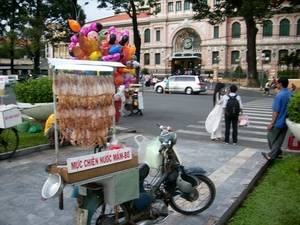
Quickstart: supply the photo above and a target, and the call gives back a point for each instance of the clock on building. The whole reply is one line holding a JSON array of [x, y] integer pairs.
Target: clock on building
[[187, 43]]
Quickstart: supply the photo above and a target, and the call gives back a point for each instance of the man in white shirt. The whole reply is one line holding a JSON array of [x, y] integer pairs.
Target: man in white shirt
[[229, 119]]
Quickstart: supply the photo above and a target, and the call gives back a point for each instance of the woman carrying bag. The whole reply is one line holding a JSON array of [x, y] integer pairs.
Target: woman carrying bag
[[213, 123]]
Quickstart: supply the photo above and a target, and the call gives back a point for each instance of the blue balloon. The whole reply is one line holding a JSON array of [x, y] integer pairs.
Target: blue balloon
[[114, 49]]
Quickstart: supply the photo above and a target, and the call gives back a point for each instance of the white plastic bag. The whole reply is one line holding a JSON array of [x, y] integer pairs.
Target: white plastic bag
[[142, 142], [148, 151], [153, 156]]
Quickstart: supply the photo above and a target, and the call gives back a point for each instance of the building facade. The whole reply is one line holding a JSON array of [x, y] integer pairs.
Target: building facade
[[172, 41]]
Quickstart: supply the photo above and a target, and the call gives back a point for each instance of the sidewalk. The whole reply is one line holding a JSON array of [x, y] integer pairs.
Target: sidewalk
[[233, 169]]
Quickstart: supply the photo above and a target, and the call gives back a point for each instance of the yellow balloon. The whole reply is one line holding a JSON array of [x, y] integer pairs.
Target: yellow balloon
[[96, 55]]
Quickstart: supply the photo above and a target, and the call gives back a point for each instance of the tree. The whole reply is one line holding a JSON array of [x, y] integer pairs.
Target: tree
[[291, 61], [11, 23], [33, 20], [49, 20], [132, 8], [252, 12]]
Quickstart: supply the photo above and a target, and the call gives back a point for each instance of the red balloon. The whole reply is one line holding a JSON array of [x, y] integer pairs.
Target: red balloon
[[118, 79]]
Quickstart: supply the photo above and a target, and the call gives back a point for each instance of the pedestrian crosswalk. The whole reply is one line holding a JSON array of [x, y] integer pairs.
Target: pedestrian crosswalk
[[253, 135]]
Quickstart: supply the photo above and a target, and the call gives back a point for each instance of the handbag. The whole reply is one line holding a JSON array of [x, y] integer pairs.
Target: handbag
[[243, 120]]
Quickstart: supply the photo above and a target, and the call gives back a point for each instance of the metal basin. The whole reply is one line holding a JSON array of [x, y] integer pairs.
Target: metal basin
[[53, 186]]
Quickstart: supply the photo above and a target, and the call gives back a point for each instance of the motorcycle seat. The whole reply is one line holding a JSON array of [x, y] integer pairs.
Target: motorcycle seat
[[143, 171]]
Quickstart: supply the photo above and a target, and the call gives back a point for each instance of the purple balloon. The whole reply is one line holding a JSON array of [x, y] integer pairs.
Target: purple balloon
[[85, 30], [74, 39]]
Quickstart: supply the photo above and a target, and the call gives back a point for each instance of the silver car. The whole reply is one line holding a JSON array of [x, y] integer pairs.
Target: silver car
[[182, 83]]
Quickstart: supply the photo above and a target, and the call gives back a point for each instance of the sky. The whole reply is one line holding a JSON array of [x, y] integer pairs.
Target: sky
[[91, 11]]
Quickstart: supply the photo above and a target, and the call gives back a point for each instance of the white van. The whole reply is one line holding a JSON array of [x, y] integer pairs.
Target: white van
[[188, 84]]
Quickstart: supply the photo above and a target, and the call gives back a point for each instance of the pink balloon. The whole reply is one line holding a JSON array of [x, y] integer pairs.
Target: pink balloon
[[106, 58], [70, 46], [74, 39], [85, 30], [93, 35], [126, 32], [93, 27], [116, 56], [112, 30]]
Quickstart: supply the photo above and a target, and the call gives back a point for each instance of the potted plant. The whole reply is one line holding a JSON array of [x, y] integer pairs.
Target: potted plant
[[293, 111], [35, 97]]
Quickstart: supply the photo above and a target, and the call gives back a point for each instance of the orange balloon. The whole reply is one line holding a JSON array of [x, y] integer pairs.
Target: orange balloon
[[74, 25], [78, 52], [118, 79], [88, 46]]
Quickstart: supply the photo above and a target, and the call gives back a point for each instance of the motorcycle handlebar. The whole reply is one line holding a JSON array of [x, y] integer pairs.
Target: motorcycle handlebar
[[162, 127]]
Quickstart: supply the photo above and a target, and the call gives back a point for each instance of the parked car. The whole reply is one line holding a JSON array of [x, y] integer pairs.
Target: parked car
[[188, 84]]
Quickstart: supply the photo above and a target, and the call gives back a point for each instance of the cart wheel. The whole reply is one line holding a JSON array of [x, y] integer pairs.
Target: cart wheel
[[135, 111], [128, 109]]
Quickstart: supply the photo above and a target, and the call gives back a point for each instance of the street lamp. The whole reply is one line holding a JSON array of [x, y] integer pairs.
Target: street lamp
[[75, 9], [216, 61], [238, 60], [263, 60]]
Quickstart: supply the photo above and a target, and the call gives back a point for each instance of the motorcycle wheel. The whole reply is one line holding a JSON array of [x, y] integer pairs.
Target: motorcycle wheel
[[105, 214], [207, 193]]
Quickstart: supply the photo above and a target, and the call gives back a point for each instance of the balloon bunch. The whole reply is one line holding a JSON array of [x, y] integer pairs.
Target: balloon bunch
[[90, 43]]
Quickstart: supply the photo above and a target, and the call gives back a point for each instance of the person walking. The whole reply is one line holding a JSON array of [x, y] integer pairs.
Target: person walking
[[267, 89], [167, 86], [213, 122], [277, 128], [154, 81], [232, 107], [147, 80]]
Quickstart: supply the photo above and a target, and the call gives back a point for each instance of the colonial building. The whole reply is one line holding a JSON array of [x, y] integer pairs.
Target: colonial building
[[172, 41]]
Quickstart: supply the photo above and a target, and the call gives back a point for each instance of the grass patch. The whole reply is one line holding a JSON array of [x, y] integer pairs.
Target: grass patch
[[27, 140], [276, 200]]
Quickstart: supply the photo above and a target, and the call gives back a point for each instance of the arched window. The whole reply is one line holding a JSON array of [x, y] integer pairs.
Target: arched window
[[236, 30], [234, 56], [268, 28], [147, 36], [282, 53], [298, 27], [267, 55], [284, 28]]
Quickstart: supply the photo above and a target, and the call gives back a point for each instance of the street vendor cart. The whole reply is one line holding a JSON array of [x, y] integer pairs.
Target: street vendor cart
[[10, 116], [134, 99], [84, 105]]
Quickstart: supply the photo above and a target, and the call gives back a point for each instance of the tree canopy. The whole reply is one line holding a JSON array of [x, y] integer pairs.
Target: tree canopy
[[252, 12], [34, 20], [132, 8]]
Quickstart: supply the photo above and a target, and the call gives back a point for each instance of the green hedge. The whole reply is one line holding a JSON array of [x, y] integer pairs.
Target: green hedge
[[288, 74]]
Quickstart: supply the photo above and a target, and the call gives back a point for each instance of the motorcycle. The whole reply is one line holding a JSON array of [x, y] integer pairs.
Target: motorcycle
[[187, 190], [274, 85]]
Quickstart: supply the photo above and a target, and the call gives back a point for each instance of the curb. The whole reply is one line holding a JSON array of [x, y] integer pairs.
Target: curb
[[26, 151], [238, 200]]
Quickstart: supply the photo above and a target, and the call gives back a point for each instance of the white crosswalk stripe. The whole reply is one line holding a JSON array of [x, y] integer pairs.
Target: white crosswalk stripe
[[259, 113]]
